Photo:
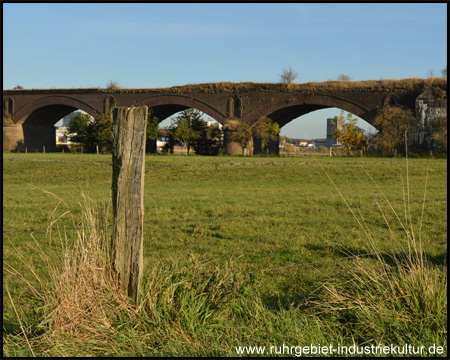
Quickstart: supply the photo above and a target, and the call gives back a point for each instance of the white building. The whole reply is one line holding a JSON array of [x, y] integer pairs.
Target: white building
[[214, 123], [63, 124], [61, 138]]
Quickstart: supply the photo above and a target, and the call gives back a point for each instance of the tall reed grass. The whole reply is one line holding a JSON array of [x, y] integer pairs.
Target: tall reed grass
[[392, 294]]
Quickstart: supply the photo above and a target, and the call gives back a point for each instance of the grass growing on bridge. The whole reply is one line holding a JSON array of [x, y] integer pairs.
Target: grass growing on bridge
[[214, 227], [407, 84]]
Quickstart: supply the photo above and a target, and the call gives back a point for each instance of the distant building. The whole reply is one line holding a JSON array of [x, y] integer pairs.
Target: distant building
[[62, 126], [429, 109], [303, 143], [214, 123], [61, 138], [332, 126]]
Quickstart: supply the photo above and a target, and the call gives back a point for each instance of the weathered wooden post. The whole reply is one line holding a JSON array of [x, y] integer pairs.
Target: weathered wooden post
[[128, 156]]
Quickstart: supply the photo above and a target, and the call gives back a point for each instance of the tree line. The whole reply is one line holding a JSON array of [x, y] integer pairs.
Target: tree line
[[396, 127], [192, 132], [188, 128]]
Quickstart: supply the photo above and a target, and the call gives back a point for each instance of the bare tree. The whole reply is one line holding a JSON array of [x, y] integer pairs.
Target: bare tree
[[112, 85], [444, 71], [344, 77], [288, 76]]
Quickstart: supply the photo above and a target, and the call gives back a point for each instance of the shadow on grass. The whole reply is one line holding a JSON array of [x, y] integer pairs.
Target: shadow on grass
[[439, 260], [388, 257], [10, 327], [30, 322], [288, 296]]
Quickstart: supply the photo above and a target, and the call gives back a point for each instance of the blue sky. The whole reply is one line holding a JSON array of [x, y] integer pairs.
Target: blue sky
[[161, 45]]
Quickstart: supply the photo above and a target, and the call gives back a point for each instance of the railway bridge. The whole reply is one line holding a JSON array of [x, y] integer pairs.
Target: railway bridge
[[34, 112]]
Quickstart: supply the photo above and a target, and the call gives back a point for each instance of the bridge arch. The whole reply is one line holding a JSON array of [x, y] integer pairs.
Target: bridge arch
[[35, 121], [44, 110], [165, 106], [285, 110]]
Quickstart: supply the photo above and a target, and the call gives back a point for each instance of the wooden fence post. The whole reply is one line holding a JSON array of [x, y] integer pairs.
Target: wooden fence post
[[128, 158]]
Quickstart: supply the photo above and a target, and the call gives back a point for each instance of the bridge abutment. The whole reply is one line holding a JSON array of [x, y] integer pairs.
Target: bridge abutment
[[231, 139], [34, 138], [13, 139], [231, 142]]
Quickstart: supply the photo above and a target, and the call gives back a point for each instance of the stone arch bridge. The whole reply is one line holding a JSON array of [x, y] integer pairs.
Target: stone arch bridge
[[34, 112]]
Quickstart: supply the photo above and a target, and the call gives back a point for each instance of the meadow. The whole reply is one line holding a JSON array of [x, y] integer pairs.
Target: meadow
[[238, 251]]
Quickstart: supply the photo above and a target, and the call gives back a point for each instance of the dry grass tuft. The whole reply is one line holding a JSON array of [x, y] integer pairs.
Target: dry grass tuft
[[85, 292], [391, 291]]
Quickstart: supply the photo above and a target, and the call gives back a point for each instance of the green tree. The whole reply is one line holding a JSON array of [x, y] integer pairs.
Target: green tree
[[350, 135], [90, 132], [82, 131], [181, 131], [192, 131], [152, 131], [186, 127], [244, 132], [210, 140], [266, 130], [392, 121], [103, 130]]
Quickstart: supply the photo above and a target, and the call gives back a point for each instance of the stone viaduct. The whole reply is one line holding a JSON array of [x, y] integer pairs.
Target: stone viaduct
[[34, 112]]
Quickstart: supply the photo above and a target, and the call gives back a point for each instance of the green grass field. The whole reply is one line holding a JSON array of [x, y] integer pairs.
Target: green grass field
[[258, 228]]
